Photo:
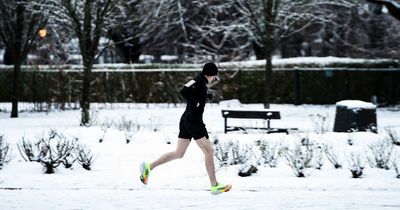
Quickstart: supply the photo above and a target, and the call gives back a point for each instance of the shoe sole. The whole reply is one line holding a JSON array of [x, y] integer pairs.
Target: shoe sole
[[142, 169], [226, 189]]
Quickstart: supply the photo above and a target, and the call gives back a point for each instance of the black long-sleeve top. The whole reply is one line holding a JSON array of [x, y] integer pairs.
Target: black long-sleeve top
[[195, 93]]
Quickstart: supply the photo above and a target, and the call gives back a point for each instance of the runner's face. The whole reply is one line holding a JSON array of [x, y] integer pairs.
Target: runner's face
[[211, 78]]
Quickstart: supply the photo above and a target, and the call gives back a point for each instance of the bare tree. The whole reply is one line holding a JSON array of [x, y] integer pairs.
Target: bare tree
[[392, 6], [127, 35], [196, 30], [269, 21], [19, 26], [89, 21]]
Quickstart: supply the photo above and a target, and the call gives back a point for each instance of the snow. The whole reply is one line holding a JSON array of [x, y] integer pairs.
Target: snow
[[316, 62], [183, 184], [353, 104], [280, 64]]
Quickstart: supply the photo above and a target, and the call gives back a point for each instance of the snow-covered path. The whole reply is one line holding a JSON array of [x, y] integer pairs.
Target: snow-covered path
[[183, 184], [167, 198]]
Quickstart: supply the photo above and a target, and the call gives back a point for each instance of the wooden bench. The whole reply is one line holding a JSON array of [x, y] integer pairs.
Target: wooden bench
[[253, 114]]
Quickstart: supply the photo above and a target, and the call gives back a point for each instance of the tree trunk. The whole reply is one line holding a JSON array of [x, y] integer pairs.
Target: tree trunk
[[9, 56], [49, 168], [16, 87], [268, 80], [85, 102], [268, 50], [258, 51]]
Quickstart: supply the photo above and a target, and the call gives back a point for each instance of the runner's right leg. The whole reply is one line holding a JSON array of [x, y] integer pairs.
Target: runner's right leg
[[180, 151]]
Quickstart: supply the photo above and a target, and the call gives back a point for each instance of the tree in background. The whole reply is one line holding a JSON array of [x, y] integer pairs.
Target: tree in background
[[89, 21], [196, 31], [392, 6], [19, 27], [351, 32], [127, 35], [270, 21]]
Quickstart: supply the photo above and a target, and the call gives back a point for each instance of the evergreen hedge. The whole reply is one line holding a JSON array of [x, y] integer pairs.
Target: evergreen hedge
[[319, 83]]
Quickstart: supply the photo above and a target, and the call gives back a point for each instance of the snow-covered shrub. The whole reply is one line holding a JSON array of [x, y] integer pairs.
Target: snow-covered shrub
[[356, 164], [392, 135], [128, 127], [299, 159], [319, 159], [296, 160], [247, 170], [270, 153], [214, 138], [320, 123], [380, 154], [27, 150], [70, 158], [350, 138], [4, 149], [155, 123], [84, 157], [396, 164], [107, 124], [303, 157], [332, 155], [232, 153], [50, 150], [221, 153]]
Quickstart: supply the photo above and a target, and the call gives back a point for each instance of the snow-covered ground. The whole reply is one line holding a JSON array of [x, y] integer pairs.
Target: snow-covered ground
[[113, 182]]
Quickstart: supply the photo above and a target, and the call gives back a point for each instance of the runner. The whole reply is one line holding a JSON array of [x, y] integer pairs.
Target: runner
[[191, 125]]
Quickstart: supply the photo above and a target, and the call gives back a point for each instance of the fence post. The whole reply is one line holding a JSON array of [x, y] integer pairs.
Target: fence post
[[297, 86]]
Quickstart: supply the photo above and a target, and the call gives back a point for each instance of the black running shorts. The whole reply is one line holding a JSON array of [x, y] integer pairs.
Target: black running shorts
[[192, 129]]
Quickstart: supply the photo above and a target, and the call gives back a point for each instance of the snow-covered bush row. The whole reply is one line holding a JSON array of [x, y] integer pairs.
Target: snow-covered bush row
[[4, 152], [305, 155], [54, 149], [127, 126]]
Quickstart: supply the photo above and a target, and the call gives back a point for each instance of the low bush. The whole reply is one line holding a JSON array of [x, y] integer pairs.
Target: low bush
[[356, 164], [54, 149], [232, 153], [4, 152]]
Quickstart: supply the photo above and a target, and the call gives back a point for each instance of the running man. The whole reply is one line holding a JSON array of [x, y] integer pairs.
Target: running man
[[191, 125]]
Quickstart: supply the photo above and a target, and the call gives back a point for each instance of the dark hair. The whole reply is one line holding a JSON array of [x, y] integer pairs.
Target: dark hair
[[210, 69]]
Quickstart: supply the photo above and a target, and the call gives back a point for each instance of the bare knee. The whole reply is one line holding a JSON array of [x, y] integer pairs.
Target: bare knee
[[208, 151], [179, 155]]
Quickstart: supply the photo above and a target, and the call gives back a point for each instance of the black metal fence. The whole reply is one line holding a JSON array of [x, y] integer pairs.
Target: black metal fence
[[62, 88]]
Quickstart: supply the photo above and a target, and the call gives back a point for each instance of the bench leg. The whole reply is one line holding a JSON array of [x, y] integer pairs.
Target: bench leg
[[225, 122]]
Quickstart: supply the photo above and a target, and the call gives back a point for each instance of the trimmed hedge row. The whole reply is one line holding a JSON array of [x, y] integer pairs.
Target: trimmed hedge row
[[315, 87], [297, 80]]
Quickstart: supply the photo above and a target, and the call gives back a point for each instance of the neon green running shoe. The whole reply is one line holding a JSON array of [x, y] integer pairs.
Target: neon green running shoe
[[220, 188], [144, 172]]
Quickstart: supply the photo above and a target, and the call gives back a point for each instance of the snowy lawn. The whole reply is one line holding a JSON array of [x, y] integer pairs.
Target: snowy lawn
[[113, 182]]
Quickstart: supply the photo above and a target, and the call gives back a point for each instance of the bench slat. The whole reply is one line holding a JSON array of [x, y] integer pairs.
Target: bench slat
[[251, 114]]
